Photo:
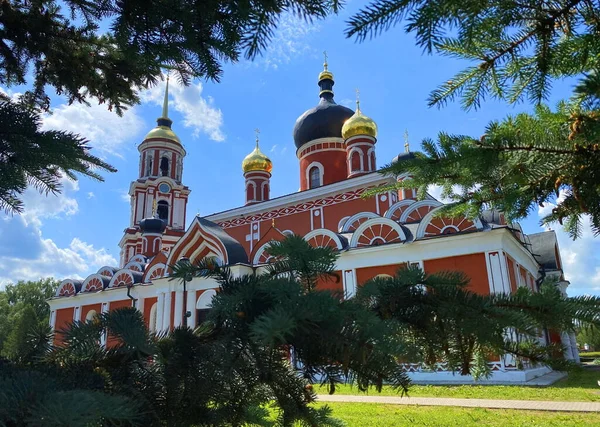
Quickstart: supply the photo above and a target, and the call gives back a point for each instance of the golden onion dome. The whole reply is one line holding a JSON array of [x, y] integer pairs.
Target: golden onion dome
[[359, 124], [163, 132], [257, 161], [325, 74]]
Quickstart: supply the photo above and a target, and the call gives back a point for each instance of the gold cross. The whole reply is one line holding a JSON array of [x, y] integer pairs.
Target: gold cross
[[257, 132], [325, 63], [406, 144], [357, 97]]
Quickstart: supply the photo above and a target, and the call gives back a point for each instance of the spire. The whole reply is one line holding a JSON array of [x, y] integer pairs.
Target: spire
[[164, 119], [406, 144], [257, 132], [357, 99], [326, 81]]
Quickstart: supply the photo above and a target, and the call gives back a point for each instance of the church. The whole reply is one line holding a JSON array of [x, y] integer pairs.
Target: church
[[375, 236]]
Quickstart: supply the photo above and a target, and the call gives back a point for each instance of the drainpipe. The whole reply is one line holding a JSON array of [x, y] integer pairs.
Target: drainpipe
[[133, 300]]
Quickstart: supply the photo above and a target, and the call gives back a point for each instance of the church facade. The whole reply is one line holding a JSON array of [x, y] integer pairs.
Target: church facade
[[336, 151]]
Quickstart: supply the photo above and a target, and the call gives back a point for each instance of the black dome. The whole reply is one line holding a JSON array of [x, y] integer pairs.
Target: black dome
[[152, 225], [405, 155], [325, 120]]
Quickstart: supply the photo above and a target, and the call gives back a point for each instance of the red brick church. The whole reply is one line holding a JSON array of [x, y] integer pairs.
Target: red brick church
[[336, 151]]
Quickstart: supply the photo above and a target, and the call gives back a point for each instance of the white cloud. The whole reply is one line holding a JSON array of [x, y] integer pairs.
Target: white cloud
[[38, 206], [36, 257], [546, 208], [273, 148], [91, 195], [199, 113], [124, 194], [290, 40], [107, 132]]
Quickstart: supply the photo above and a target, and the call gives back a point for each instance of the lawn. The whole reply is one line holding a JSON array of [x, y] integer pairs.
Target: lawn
[[579, 386], [376, 415]]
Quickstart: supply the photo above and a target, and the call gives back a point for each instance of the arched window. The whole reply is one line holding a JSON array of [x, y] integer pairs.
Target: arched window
[[90, 315], [372, 161], [149, 166], [314, 177], [162, 209], [355, 162], [164, 166]]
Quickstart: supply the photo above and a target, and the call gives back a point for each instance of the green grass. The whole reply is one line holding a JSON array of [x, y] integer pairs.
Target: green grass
[[579, 386], [377, 415]]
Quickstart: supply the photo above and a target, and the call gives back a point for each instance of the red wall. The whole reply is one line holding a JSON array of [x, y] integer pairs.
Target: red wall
[[365, 274], [87, 308], [472, 265], [148, 303], [64, 317]]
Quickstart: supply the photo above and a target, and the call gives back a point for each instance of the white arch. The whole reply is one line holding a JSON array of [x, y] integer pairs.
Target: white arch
[[65, 283], [113, 280], [360, 156], [135, 266], [416, 205], [205, 300], [152, 269], [138, 258], [86, 282], [349, 221], [398, 205], [376, 221], [342, 222], [370, 162], [325, 232], [260, 252], [152, 317], [427, 219], [108, 270], [321, 172], [248, 184], [90, 315]]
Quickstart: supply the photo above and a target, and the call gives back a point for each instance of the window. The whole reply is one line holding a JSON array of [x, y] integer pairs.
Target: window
[[164, 166], [149, 166], [153, 316], [314, 177], [162, 210], [355, 162], [91, 315]]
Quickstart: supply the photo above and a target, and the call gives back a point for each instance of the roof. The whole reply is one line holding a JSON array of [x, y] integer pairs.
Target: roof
[[543, 248]]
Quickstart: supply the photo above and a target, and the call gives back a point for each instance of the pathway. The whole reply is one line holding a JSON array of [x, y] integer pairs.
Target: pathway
[[533, 405]]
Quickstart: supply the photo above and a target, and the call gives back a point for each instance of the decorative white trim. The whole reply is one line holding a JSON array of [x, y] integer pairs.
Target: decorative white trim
[[368, 180], [369, 161], [416, 205], [320, 141], [430, 215], [205, 299], [260, 252], [402, 203], [152, 269], [138, 258], [376, 221], [356, 216], [361, 156], [321, 172], [341, 223], [139, 267], [325, 232], [249, 183], [113, 281], [88, 279], [153, 317]]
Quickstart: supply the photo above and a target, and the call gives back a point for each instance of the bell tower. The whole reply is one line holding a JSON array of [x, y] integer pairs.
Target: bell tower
[[159, 184]]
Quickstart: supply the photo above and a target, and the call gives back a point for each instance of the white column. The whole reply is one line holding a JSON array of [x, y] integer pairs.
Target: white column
[[349, 282], [166, 320], [103, 337], [77, 314], [139, 305], [574, 349], [191, 307], [566, 342], [52, 319], [178, 317], [159, 311]]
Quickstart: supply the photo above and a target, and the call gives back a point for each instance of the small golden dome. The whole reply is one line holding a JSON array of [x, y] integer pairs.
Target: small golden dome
[[257, 162], [163, 132], [325, 74], [359, 124]]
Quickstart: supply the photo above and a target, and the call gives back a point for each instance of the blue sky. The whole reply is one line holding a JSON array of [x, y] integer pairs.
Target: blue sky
[[76, 233]]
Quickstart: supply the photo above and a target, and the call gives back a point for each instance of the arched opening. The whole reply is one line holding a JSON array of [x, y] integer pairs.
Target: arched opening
[[164, 166], [149, 165], [162, 209], [314, 177], [203, 306], [91, 315], [355, 165], [152, 319], [376, 241], [372, 166]]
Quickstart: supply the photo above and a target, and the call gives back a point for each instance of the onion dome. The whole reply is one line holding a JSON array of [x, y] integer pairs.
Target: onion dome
[[163, 123], [359, 124], [153, 225], [257, 161], [326, 119]]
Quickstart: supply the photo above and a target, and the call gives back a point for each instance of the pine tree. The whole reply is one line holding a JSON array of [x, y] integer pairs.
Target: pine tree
[[515, 50], [110, 50]]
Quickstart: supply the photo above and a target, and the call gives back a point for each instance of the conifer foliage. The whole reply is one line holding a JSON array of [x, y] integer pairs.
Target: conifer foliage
[[514, 49], [108, 51]]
